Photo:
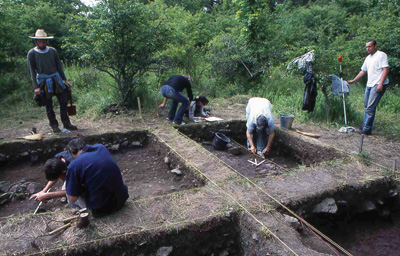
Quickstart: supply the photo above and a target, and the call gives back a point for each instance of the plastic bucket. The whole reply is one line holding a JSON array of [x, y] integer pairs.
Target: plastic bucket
[[220, 140], [286, 121]]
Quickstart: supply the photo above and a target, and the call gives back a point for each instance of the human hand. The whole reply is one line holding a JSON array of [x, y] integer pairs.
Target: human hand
[[161, 105], [266, 151], [202, 118], [379, 88], [37, 91], [253, 150], [40, 196], [67, 83], [350, 81]]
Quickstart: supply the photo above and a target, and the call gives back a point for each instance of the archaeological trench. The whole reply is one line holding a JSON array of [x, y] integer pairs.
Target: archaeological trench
[[308, 197]]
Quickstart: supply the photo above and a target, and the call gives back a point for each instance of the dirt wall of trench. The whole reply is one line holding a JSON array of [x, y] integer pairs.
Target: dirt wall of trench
[[17, 151]]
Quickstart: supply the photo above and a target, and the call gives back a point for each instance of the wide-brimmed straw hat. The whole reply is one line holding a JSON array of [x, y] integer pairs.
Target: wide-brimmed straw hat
[[40, 34]]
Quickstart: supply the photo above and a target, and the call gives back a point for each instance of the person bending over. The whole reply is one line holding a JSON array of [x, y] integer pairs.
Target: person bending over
[[95, 176]]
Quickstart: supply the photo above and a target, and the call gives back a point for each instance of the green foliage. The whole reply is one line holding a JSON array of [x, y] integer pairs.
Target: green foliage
[[120, 38], [227, 47]]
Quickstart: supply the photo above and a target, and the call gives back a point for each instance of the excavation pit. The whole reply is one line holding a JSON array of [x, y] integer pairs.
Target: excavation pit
[[289, 150], [363, 220], [216, 236], [145, 163]]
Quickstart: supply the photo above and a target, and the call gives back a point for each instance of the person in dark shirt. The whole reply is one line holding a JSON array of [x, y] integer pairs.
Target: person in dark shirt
[[95, 176], [172, 89], [48, 79], [55, 169]]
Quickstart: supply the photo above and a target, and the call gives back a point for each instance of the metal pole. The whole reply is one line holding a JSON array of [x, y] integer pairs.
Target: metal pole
[[344, 99], [140, 108]]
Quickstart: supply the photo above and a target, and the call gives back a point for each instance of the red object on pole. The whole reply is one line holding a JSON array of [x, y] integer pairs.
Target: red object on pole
[[340, 58]]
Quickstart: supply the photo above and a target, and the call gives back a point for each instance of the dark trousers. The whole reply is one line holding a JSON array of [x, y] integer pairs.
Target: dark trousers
[[63, 101]]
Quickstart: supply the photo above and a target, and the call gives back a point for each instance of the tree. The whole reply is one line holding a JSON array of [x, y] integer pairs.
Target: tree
[[120, 39]]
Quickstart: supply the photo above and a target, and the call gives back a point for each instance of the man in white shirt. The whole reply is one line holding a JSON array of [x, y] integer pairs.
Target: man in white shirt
[[260, 125], [377, 67]]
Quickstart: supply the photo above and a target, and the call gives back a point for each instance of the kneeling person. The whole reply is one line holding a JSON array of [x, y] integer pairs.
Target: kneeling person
[[55, 169], [260, 125], [95, 175]]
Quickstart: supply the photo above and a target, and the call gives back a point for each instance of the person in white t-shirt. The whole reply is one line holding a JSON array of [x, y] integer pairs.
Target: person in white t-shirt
[[377, 67], [260, 125]]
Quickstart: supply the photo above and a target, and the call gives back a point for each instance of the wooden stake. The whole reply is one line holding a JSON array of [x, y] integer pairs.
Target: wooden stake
[[158, 114], [140, 108], [361, 143]]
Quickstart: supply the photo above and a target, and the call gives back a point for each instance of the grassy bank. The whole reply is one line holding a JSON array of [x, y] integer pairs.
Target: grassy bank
[[93, 91]]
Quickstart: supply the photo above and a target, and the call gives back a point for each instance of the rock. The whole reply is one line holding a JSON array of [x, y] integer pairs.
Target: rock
[[115, 147], [34, 158], [26, 153], [177, 171], [125, 144], [393, 193], [342, 203], [367, 206], [255, 237], [6, 197], [261, 171], [385, 213], [5, 186], [3, 158], [328, 205], [136, 144], [166, 160], [235, 151], [164, 251], [34, 188], [295, 223], [224, 253]]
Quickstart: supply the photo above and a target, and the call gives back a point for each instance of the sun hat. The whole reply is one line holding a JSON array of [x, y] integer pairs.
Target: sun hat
[[40, 34]]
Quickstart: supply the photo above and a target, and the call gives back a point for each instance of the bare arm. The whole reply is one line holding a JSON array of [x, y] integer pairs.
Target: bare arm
[[383, 78], [43, 191], [162, 105], [267, 149], [250, 139], [358, 77]]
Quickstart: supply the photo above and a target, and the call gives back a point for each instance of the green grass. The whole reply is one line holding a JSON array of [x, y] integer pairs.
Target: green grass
[[94, 90]]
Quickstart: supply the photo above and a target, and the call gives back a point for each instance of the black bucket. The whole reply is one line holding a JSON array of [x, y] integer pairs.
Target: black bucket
[[220, 140]]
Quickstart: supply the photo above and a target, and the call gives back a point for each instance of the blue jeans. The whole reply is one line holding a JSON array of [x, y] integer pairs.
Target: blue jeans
[[260, 139], [176, 97], [371, 100]]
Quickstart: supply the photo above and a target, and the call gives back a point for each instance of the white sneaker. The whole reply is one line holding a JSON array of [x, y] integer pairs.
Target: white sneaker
[[182, 123]]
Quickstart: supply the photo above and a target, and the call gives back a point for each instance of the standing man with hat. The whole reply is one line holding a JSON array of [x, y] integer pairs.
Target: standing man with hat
[[260, 125], [48, 79]]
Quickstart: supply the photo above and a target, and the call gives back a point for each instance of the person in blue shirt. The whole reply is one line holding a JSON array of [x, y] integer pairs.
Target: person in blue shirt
[[55, 169], [260, 125], [95, 176]]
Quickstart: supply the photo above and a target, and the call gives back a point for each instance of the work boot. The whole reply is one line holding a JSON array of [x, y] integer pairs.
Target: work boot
[[56, 129], [70, 127]]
